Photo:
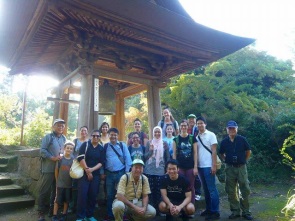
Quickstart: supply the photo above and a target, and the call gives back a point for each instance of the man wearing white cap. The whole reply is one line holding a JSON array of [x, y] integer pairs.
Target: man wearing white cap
[[132, 195], [235, 150], [50, 151]]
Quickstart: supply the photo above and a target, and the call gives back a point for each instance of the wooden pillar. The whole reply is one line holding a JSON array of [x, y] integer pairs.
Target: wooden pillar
[[154, 107], [64, 111], [118, 120], [87, 115]]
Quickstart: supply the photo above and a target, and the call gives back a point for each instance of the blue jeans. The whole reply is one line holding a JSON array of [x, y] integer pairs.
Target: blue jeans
[[112, 180], [87, 192], [210, 190]]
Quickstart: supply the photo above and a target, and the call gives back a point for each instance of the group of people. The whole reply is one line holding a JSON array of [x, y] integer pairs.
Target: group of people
[[144, 177]]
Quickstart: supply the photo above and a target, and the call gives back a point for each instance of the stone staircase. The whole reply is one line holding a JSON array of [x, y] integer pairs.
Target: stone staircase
[[12, 196]]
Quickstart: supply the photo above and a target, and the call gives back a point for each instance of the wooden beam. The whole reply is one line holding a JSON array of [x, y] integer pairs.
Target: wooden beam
[[123, 77], [130, 91], [61, 100], [70, 75]]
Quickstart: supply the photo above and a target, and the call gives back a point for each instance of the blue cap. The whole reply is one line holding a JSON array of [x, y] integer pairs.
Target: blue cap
[[232, 123]]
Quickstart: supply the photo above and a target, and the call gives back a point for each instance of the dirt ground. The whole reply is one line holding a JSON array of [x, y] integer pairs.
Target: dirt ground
[[266, 205]]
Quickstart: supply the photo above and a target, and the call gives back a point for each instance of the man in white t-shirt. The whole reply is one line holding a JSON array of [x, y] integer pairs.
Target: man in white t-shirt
[[207, 145]]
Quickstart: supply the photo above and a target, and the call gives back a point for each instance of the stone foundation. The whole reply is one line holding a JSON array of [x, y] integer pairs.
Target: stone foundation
[[29, 170]]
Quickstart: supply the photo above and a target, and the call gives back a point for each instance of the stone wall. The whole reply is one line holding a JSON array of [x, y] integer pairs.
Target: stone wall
[[29, 170]]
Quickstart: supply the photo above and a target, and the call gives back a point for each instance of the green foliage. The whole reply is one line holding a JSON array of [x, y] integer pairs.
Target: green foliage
[[10, 136], [250, 87], [288, 150], [37, 128], [136, 107]]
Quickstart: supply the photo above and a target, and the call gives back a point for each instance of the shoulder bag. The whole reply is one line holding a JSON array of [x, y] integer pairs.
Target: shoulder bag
[[76, 171], [218, 161]]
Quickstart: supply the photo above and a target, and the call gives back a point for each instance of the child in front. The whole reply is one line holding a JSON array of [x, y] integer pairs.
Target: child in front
[[63, 181]]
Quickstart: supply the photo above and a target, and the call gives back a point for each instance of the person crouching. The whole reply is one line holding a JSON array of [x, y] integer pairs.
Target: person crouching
[[176, 193], [132, 195]]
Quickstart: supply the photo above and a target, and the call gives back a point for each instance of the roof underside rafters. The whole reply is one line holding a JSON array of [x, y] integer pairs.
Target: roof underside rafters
[[65, 34]]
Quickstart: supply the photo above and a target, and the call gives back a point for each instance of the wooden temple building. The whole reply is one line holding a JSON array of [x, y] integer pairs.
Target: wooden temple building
[[127, 46]]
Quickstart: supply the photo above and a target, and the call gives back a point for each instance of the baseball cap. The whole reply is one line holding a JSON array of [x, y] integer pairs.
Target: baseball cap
[[138, 161], [58, 120], [191, 116], [232, 123]]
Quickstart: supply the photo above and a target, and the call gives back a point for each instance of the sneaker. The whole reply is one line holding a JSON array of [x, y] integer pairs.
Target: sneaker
[[248, 217], [162, 214], [191, 216], [234, 216], [90, 219], [197, 197], [41, 216], [54, 218], [205, 213], [213, 216]]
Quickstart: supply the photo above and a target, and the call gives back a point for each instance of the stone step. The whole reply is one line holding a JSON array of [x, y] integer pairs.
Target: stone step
[[4, 160], [11, 190], [5, 180], [16, 202], [3, 168]]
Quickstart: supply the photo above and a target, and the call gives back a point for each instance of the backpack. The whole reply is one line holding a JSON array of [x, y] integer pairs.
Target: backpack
[[174, 124], [142, 181]]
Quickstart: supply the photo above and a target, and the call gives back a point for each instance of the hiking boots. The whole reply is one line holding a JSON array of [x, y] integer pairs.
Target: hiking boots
[[234, 216], [248, 217]]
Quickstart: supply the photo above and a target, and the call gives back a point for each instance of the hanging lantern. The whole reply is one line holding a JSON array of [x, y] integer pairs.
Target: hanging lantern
[[107, 99]]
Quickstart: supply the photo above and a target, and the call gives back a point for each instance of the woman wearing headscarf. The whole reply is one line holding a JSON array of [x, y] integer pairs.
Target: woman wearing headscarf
[[156, 156]]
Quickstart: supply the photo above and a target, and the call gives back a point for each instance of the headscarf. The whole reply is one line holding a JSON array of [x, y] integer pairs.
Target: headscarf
[[158, 147]]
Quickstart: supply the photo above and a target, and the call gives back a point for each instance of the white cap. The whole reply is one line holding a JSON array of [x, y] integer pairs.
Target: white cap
[[58, 121], [138, 161]]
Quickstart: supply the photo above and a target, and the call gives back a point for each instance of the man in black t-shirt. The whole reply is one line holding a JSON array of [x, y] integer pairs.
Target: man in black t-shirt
[[176, 193]]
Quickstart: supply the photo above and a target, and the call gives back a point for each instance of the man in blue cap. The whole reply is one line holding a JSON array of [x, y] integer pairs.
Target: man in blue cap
[[235, 151]]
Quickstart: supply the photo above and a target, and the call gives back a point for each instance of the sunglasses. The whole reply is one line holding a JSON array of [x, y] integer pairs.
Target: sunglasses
[[95, 136]]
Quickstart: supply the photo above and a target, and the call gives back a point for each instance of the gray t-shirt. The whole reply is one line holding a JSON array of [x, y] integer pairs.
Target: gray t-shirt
[[136, 153], [64, 180]]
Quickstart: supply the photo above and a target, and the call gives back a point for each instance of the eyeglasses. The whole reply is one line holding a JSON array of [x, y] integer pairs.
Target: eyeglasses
[[135, 137], [95, 136]]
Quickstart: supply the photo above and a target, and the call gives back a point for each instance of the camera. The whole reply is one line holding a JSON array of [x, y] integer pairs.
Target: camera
[[235, 159]]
